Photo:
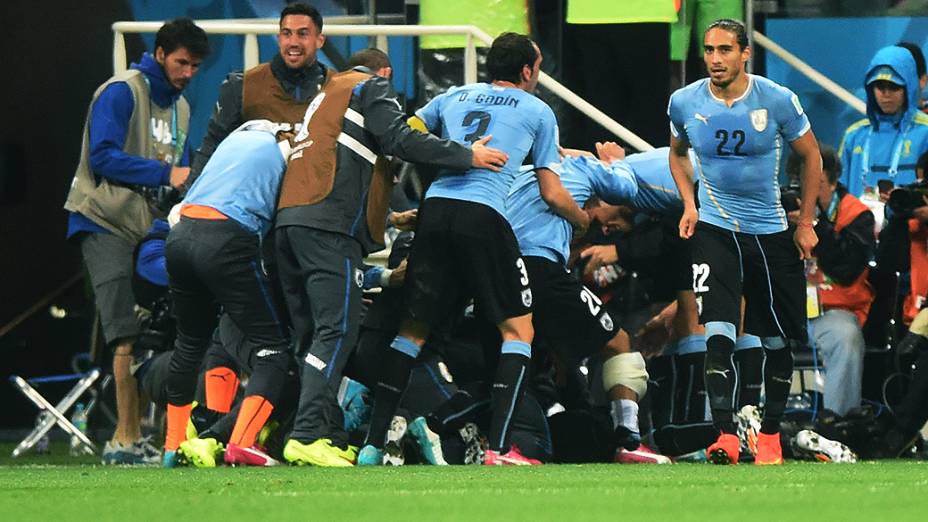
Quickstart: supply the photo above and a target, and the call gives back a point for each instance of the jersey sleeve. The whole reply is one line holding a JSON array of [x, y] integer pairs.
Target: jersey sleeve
[[616, 183], [675, 114], [790, 116], [544, 149], [431, 113]]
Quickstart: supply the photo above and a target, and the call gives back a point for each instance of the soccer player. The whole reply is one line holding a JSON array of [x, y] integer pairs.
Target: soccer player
[[566, 312], [464, 247], [736, 123]]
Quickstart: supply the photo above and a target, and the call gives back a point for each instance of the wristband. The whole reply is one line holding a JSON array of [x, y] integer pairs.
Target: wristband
[[808, 224]]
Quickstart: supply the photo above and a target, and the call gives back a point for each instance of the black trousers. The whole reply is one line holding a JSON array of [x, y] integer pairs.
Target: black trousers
[[321, 276], [213, 264]]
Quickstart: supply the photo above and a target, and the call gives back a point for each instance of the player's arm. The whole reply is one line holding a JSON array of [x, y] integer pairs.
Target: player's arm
[[613, 179], [560, 200], [384, 119], [227, 116], [109, 126], [806, 147], [682, 171]]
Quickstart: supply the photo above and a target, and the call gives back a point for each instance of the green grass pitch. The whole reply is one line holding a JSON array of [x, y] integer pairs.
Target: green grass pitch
[[59, 488]]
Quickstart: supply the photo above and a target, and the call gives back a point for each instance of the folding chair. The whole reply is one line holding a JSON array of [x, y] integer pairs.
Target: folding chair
[[52, 415]]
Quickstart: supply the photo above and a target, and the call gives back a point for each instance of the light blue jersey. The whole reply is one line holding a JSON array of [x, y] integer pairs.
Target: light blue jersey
[[657, 192], [738, 151], [519, 122], [543, 233], [242, 179]]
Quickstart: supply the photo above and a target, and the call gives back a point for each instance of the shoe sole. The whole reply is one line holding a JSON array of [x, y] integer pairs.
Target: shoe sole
[[720, 456], [426, 448]]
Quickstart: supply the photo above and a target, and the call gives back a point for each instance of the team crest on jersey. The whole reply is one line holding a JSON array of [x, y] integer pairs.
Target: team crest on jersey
[[606, 321], [527, 297], [759, 119], [359, 277]]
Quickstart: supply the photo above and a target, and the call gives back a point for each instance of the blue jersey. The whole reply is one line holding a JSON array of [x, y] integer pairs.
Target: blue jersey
[[657, 192], [242, 179], [543, 233], [738, 151], [519, 122]]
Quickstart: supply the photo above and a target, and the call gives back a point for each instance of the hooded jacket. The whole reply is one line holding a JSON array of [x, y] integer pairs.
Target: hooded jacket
[[885, 147]]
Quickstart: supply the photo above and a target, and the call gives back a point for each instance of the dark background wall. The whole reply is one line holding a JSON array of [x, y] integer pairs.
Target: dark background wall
[[54, 56]]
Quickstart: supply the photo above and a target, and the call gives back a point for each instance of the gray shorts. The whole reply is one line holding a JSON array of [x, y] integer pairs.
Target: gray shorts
[[109, 261]]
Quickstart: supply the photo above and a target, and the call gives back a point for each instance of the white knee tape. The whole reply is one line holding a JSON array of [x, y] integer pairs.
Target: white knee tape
[[627, 369]]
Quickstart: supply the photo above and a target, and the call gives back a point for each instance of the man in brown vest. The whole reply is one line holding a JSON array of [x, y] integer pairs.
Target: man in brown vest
[[331, 213], [278, 90], [135, 144]]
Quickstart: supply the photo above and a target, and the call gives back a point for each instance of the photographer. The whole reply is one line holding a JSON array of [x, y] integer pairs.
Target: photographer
[[839, 273], [135, 136]]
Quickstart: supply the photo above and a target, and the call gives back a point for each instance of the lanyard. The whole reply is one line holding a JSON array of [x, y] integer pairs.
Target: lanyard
[[173, 121], [897, 154], [832, 212]]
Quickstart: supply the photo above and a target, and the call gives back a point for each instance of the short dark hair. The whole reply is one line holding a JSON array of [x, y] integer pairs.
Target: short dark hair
[[917, 54], [831, 164], [182, 32], [508, 54], [371, 58], [301, 9], [732, 26]]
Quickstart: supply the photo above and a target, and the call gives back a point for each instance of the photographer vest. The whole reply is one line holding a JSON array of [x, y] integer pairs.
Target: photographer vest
[[916, 300], [263, 98], [313, 166], [154, 133], [856, 297]]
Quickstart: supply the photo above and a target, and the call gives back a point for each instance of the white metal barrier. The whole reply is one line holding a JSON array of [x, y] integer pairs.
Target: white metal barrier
[[252, 28]]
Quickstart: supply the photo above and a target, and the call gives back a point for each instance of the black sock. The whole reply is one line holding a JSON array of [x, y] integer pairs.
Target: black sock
[[750, 365], [511, 376], [394, 377], [778, 378], [457, 411], [720, 381]]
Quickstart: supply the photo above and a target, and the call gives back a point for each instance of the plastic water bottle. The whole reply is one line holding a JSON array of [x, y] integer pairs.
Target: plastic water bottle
[[41, 447], [79, 420]]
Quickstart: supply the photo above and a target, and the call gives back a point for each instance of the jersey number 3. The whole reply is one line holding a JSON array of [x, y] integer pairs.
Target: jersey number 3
[[482, 119]]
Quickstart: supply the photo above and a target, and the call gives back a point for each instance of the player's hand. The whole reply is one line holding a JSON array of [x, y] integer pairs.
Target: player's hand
[[404, 220], [652, 337], [178, 176], [688, 222], [398, 276], [599, 255], [805, 240], [487, 157], [609, 151], [581, 224]]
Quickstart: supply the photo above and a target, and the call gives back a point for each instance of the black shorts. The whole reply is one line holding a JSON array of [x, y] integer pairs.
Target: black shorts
[[462, 250], [764, 268], [566, 313]]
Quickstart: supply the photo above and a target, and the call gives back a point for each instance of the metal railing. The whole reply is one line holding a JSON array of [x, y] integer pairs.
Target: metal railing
[[251, 29], [820, 79]]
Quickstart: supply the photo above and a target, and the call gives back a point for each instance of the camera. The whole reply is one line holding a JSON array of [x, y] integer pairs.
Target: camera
[[904, 200], [789, 195]]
